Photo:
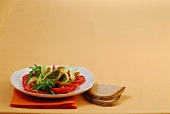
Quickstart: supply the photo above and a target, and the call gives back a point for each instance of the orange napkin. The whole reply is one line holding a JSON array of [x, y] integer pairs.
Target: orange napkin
[[22, 100]]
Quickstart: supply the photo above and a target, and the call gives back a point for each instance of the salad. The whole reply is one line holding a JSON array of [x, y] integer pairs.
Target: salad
[[47, 79]]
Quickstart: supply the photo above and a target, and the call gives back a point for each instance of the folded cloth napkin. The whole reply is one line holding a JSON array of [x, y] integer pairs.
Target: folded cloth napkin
[[22, 100]]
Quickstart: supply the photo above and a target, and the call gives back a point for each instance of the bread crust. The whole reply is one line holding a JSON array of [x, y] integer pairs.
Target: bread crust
[[105, 103]]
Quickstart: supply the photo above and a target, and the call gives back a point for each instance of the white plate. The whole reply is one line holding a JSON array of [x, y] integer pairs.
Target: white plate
[[16, 80]]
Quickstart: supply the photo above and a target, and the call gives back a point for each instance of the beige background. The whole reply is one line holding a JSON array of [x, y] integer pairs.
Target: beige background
[[122, 42]]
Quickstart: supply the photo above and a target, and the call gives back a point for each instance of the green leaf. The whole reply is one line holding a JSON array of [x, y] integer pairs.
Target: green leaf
[[45, 85], [37, 86], [52, 82]]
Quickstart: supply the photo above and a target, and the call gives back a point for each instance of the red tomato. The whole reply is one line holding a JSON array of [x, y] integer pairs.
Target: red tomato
[[62, 90], [25, 80], [70, 85], [25, 77], [28, 87], [79, 80], [66, 85]]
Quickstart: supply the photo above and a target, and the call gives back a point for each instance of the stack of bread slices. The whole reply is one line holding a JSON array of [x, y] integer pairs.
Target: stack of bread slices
[[104, 95]]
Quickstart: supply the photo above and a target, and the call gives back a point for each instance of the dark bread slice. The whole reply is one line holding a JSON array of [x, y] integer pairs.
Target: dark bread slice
[[104, 103], [104, 92], [104, 95]]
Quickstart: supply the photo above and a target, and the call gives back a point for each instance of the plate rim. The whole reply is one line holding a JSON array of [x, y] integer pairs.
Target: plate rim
[[20, 74]]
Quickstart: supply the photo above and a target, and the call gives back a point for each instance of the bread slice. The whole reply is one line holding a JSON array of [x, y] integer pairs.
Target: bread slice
[[104, 92], [104, 103], [104, 95]]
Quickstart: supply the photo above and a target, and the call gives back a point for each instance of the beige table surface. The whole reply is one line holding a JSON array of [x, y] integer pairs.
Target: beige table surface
[[122, 42]]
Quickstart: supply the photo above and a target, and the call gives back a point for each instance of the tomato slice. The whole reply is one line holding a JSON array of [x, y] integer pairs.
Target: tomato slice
[[28, 87], [25, 77], [62, 90], [79, 80], [66, 85], [70, 85], [25, 80]]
